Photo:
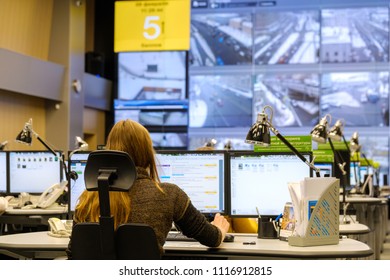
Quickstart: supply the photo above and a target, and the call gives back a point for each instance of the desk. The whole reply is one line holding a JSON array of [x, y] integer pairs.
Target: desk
[[31, 217], [370, 212], [353, 229], [41, 245]]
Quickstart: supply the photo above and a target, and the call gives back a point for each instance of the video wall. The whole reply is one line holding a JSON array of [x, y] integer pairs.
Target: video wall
[[305, 60]]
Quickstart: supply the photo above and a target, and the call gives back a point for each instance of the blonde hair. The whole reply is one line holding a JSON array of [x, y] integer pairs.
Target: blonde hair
[[130, 137]]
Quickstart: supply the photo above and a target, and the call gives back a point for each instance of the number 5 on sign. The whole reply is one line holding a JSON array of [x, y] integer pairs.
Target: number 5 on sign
[[152, 25]]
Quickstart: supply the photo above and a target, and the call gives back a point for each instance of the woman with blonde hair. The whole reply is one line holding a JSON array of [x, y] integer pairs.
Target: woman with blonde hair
[[149, 201]]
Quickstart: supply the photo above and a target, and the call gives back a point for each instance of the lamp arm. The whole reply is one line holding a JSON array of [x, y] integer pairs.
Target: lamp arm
[[341, 167], [54, 153], [295, 151], [44, 144]]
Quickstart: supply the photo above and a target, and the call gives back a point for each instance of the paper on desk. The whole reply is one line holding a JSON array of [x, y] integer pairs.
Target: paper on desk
[[304, 196], [295, 192]]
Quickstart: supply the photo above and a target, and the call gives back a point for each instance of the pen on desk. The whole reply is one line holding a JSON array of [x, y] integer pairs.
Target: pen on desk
[[249, 243], [278, 217], [258, 212]]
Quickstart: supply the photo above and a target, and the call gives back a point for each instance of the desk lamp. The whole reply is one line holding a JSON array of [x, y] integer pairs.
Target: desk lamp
[[3, 144], [80, 144], [228, 145], [211, 143], [356, 148], [259, 134], [321, 134], [25, 137]]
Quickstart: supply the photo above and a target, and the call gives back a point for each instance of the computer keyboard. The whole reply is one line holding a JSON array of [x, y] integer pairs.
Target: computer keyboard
[[179, 236]]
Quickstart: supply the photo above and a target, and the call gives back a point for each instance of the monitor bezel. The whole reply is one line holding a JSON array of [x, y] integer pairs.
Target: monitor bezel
[[254, 153], [210, 214]]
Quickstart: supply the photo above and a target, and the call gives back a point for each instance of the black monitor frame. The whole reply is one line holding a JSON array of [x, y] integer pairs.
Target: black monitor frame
[[208, 214], [263, 153]]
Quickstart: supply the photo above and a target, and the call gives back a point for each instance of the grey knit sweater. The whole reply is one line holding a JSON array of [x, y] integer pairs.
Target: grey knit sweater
[[150, 206]]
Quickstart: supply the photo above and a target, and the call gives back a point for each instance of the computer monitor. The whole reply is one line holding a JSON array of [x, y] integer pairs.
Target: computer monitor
[[3, 172], [33, 171], [259, 181], [361, 172], [201, 174], [77, 163], [326, 168]]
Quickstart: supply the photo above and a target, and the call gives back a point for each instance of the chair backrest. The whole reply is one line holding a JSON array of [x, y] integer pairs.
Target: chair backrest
[[132, 242], [136, 242], [107, 171]]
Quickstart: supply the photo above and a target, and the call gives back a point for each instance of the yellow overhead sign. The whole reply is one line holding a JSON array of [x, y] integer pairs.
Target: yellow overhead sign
[[154, 25]]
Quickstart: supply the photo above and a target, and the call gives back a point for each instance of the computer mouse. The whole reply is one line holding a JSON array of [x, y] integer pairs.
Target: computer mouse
[[28, 203], [229, 238]]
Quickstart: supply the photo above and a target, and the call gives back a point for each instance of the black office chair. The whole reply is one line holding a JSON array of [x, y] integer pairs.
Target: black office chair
[[111, 171]]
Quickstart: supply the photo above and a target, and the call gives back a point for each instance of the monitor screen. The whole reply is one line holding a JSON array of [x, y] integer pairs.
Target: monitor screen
[[151, 113], [201, 174], [326, 168], [77, 163], [360, 170], [220, 100], [3, 172], [259, 181], [152, 75], [33, 171]]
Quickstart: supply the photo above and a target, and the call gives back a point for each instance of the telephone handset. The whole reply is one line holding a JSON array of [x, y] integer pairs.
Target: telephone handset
[[58, 228], [51, 194]]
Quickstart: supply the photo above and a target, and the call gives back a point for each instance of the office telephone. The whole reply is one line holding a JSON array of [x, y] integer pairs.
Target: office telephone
[[59, 228], [51, 194]]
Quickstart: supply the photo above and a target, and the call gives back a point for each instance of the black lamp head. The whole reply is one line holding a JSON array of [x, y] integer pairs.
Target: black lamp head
[[259, 133], [25, 136], [320, 132], [354, 142], [336, 132]]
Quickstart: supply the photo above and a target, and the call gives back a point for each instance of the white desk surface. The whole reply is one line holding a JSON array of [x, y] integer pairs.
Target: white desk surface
[[353, 228], [271, 248], [363, 199], [36, 211]]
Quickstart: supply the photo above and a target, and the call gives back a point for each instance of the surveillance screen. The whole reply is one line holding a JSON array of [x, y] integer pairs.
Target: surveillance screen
[[286, 37], [221, 39], [220, 101], [293, 98], [359, 98], [169, 140], [152, 113], [355, 35], [152, 75]]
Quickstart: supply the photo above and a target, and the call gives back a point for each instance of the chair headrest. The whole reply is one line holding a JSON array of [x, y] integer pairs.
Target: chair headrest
[[118, 165]]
